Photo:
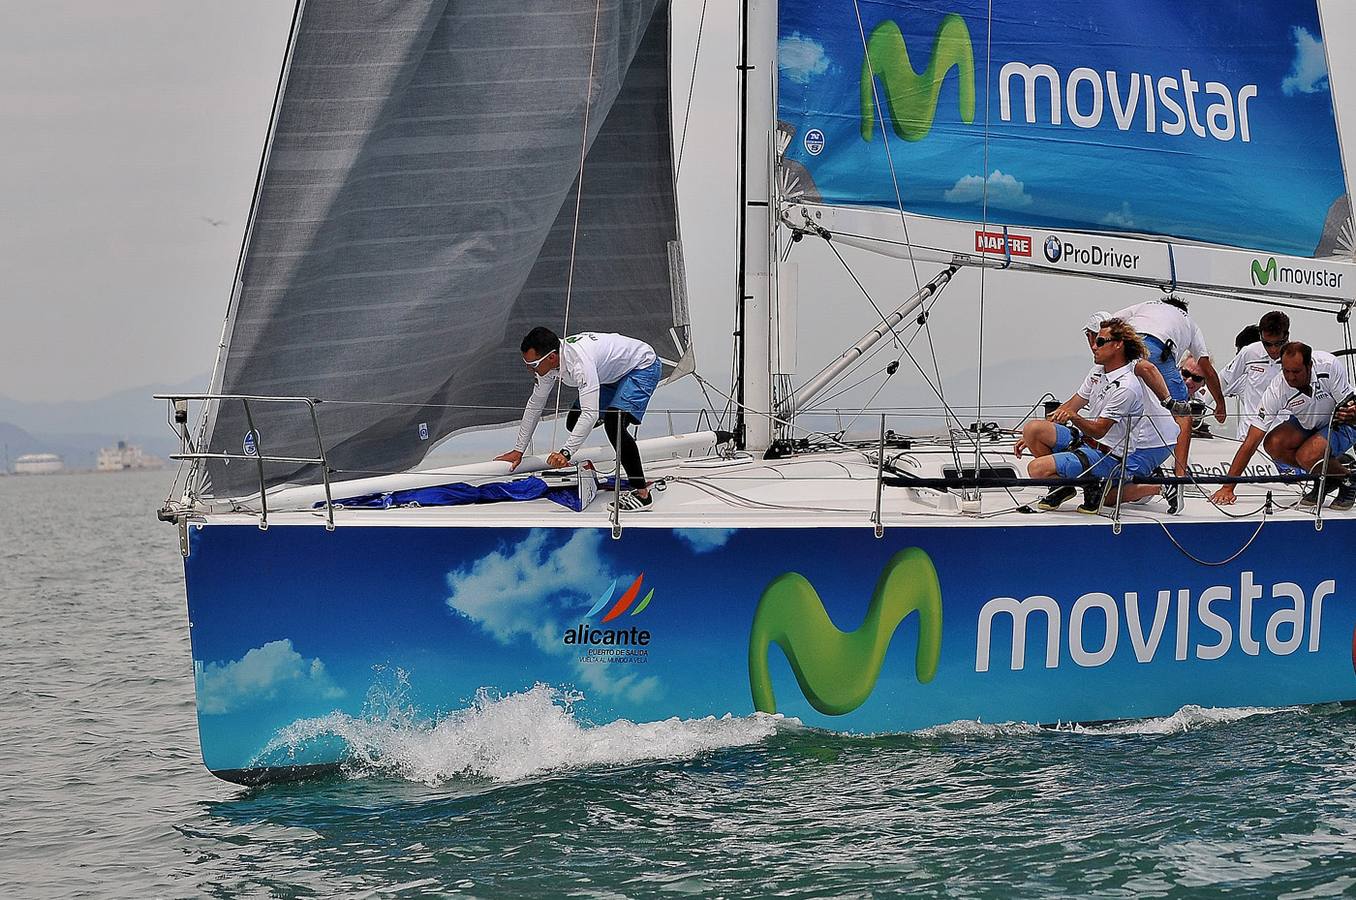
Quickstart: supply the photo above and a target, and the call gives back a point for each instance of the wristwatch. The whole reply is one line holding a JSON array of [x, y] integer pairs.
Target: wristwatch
[[565, 453]]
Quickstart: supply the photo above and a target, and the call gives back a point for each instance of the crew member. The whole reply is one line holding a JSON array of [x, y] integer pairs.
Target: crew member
[[1293, 424], [1070, 445], [614, 373], [1255, 367], [1169, 335], [1201, 403]]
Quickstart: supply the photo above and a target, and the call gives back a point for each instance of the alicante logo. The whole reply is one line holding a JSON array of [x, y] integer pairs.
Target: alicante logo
[[837, 670], [911, 96], [1262, 274], [613, 644]]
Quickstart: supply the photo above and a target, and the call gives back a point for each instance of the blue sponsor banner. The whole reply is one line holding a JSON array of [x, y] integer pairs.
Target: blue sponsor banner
[[301, 636], [1210, 122]]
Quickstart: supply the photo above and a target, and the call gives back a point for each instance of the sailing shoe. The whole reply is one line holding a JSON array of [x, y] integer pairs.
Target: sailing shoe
[[1053, 499], [1346, 495], [1310, 498], [633, 502], [1092, 500], [1172, 493]]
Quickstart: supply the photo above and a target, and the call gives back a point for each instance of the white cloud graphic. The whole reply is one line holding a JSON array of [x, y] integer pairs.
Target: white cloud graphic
[[1309, 70], [801, 58], [1004, 191], [704, 540], [527, 592], [1120, 219], [261, 675]]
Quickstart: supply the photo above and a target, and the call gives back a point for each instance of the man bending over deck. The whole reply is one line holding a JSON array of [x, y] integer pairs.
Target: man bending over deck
[[1069, 445], [614, 373], [1169, 334], [1293, 424]]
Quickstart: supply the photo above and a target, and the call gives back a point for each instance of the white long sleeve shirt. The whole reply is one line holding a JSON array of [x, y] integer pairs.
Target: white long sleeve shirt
[[588, 361]]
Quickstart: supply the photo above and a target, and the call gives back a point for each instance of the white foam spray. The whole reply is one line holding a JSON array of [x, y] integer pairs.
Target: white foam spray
[[509, 737]]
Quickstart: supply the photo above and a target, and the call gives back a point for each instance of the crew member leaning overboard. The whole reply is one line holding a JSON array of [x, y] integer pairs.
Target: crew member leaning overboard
[[614, 373]]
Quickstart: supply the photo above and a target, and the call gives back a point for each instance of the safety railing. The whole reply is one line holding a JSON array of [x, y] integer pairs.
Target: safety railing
[[188, 452], [979, 439]]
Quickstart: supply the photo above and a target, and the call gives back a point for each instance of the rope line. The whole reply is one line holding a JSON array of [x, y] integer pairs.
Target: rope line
[[578, 205]]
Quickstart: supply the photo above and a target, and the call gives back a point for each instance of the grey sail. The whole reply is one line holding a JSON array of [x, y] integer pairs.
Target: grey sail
[[416, 215]]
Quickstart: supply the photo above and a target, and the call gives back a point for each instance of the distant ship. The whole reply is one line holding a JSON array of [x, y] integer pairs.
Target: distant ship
[[38, 464], [126, 456]]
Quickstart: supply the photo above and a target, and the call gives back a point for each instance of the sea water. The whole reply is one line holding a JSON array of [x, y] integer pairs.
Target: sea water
[[102, 792]]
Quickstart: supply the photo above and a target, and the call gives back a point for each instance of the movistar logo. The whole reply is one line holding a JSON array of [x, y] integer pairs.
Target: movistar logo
[[837, 670], [1298, 275], [911, 96], [1263, 274]]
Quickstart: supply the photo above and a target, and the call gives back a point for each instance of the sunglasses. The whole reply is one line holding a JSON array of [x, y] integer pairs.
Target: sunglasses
[[1192, 376], [1281, 343], [1102, 342], [534, 363]]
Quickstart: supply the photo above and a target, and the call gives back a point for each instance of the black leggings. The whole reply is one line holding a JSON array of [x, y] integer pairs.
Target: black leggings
[[615, 422]]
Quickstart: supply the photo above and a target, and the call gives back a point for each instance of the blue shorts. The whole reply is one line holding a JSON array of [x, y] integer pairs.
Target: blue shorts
[[632, 393], [1340, 439], [1177, 388], [1145, 461], [1070, 465]]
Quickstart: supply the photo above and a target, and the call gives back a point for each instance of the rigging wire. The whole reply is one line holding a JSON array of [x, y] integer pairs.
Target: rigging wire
[[984, 225], [865, 293], [885, 137], [913, 336], [937, 387], [691, 85], [578, 204], [894, 179]]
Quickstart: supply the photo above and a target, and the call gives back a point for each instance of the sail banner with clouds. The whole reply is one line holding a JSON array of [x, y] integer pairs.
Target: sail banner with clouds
[[1203, 122]]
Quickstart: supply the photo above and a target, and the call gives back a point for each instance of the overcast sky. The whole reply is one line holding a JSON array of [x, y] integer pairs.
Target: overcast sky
[[130, 133], [124, 128]]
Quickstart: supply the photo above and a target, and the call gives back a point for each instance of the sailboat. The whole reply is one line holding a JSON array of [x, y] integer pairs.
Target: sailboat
[[440, 177]]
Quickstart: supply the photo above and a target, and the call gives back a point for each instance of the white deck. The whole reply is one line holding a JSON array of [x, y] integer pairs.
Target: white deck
[[835, 489]]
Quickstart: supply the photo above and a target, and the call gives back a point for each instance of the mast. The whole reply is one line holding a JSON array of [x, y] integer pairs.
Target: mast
[[757, 69]]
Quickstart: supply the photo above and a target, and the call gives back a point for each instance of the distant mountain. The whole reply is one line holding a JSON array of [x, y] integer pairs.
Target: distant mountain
[[129, 412], [75, 430]]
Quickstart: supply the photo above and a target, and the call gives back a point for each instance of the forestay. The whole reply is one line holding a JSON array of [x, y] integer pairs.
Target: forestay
[[416, 216]]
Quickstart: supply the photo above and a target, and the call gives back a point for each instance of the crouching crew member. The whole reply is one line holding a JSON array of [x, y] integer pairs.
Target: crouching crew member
[[1070, 445], [614, 373], [1293, 424]]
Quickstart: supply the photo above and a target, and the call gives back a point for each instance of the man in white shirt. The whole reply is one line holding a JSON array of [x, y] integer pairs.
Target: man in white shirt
[[615, 374], [1293, 423], [1255, 367], [1169, 334], [1070, 445]]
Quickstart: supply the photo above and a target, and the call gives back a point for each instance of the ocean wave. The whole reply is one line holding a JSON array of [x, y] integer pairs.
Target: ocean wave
[[509, 737], [1188, 718]]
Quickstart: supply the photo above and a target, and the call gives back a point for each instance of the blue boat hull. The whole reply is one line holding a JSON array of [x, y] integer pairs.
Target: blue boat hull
[[296, 626]]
